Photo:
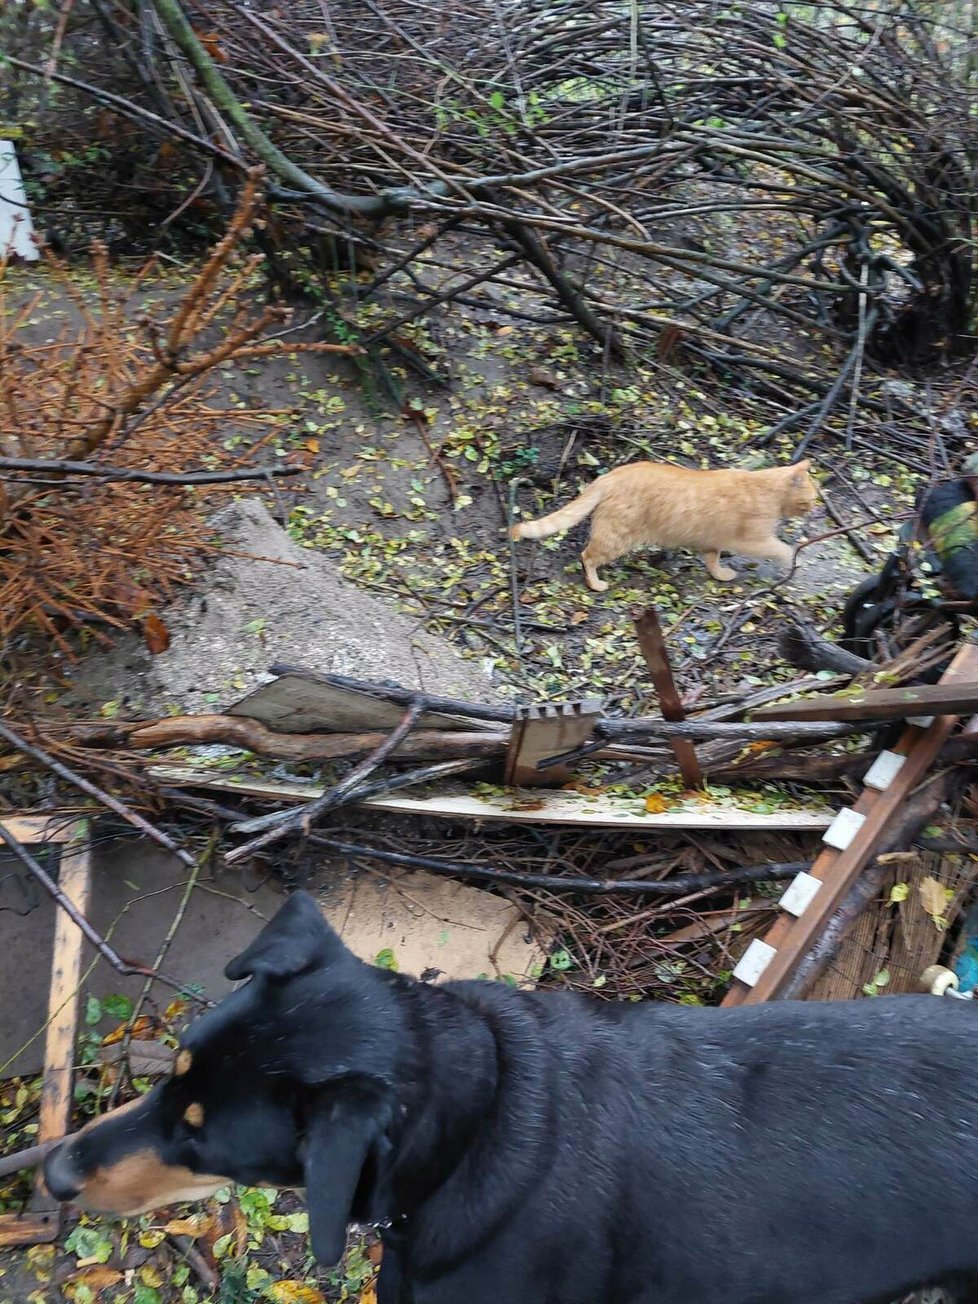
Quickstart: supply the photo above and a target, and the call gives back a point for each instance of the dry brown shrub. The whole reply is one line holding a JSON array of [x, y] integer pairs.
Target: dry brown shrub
[[124, 394]]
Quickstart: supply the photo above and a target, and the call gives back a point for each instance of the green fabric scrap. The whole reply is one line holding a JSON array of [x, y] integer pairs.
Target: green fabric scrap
[[955, 529]]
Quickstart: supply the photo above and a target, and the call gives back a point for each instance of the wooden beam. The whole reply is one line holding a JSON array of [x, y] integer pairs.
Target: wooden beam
[[42, 1222], [852, 841], [653, 644], [878, 704]]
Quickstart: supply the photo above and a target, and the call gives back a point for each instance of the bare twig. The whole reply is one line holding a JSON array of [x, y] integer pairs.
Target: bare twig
[[395, 783], [125, 967]]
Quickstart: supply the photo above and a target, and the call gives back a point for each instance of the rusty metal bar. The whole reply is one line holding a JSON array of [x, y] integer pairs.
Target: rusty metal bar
[[653, 644]]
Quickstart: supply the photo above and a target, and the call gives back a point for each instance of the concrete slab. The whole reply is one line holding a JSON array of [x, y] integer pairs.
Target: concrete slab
[[136, 891], [267, 599]]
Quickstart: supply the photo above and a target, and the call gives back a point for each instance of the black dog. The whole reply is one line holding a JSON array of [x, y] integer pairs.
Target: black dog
[[541, 1148]]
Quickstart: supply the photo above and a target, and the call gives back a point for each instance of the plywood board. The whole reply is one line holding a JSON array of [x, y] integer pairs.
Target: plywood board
[[432, 927], [292, 704], [526, 806]]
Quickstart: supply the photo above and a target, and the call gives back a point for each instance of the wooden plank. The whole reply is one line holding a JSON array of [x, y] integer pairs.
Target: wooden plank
[[542, 806], [653, 645], [790, 937], [295, 704], [540, 732], [41, 828], [945, 698], [43, 1221]]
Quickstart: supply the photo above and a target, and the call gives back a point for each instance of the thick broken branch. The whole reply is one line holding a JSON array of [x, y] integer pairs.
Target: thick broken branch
[[667, 887], [29, 1158], [804, 647], [239, 731], [301, 820]]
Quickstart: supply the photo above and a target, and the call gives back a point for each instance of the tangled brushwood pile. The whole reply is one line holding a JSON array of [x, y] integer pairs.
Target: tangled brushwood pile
[[99, 514]]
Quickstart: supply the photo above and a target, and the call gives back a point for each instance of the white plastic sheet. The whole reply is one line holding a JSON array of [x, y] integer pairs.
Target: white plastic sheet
[[16, 227]]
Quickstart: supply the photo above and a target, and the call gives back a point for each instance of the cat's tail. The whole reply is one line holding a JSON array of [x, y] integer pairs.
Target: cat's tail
[[562, 519]]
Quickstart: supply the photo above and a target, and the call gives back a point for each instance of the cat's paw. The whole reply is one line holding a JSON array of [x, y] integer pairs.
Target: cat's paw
[[596, 585], [724, 573]]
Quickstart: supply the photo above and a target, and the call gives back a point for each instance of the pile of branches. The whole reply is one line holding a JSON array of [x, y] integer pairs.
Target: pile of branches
[[668, 177], [100, 515]]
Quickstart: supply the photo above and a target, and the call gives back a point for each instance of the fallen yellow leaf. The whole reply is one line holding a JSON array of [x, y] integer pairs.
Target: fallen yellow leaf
[[186, 1227], [369, 1296], [93, 1279], [935, 897], [655, 803], [142, 1029], [293, 1292]]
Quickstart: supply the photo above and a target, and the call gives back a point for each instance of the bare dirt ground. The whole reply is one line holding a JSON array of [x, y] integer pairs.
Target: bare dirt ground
[[410, 493]]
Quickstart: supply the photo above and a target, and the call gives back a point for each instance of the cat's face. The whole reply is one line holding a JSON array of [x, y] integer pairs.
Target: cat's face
[[801, 494]]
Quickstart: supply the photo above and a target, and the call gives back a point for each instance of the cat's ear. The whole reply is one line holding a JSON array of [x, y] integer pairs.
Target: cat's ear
[[800, 470]]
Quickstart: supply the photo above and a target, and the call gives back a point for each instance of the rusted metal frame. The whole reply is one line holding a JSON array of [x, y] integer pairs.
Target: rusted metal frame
[[42, 1221], [836, 870], [542, 732], [652, 642]]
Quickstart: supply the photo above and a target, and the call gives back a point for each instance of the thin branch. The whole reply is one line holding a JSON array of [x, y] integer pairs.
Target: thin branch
[[57, 466], [92, 790], [29, 1158], [125, 967]]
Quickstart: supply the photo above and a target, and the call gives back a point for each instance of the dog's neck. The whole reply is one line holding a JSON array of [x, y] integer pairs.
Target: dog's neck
[[443, 1109], [486, 1045]]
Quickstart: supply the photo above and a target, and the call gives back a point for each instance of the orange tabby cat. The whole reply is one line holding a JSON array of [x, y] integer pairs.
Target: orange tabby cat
[[653, 504]]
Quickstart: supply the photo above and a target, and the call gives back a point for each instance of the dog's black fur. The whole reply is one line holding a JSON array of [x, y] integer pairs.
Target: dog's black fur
[[542, 1148]]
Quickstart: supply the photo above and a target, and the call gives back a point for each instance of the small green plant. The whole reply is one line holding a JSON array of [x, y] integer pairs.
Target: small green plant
[[519, 462], [876, 986]]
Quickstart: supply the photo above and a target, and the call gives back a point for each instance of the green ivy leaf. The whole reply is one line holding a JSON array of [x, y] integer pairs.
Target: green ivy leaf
[[118, 1007]]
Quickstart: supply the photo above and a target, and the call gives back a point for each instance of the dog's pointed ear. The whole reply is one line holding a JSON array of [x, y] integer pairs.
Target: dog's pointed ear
[[340, 1136], [297, 939]]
